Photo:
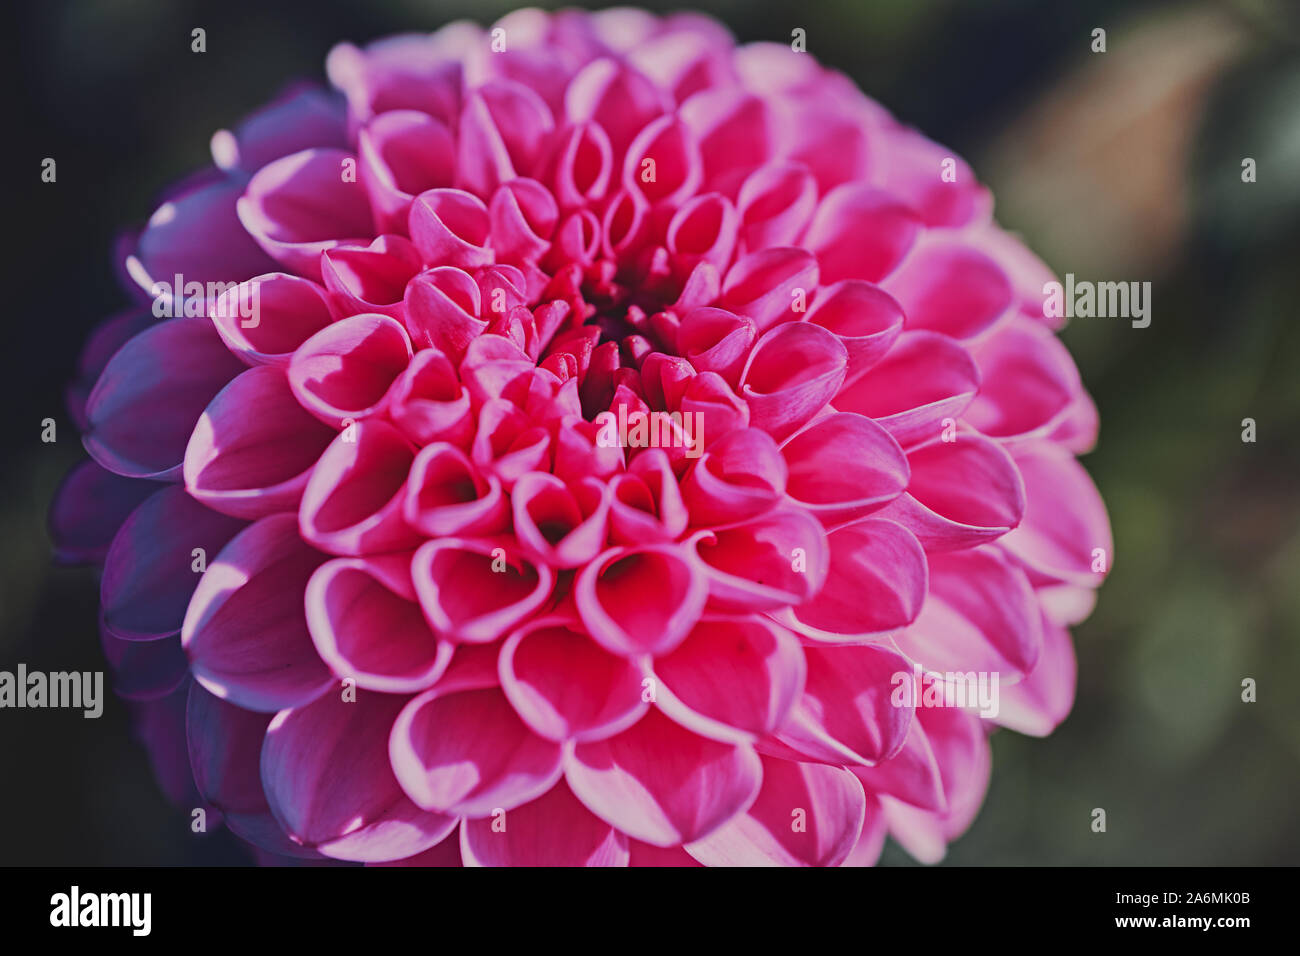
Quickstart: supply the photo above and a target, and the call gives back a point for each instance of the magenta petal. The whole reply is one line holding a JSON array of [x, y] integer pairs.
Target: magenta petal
[[860, 232], [474, 590], [301, 205], [370, 278], [793, 371], [641, 600], [740, 476], [769, 562], [553, 830], [912, 774], [1065, 521], [327, 777], [88, 509], [144, 406], [702, 230], [714, 340], [849, 712], [198, 236], [366, 625], [225, 749], [429, 404], [566, 686], [844, 466], [732, 678], [767, 285], [645, 503], [345, 370], [446, 494], [466, 752], [289, 310], [581, 166], [981, 615], [523, 214], [662, 784], [961, 494], [450, 227], [1039, 703], [247, 465], [402, 154], [1029, 382], [442, 309], [678, 169], [353, 501], [864, 317], [946, 286], [245, 630], [558, 524], [806, 814], [145, 670], [149, 572], [917, 390], [775, 204]]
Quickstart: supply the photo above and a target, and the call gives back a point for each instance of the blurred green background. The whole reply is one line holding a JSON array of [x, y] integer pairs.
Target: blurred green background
[[1124, 165]]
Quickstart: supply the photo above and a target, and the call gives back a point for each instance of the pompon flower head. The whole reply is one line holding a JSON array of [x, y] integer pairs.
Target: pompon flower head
[[584, 441]]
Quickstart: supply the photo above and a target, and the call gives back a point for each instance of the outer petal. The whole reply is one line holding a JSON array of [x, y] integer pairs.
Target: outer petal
[[326, 773], [660, 783], [553, 830]]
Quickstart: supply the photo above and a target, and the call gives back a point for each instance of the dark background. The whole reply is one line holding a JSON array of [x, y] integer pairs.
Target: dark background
[[1122, 166]]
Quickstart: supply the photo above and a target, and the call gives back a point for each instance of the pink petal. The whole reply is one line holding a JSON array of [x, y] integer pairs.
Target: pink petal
[[949, 287], [245, 630], [776, 202], [301, 205], [876, 582], [450, 227], [848, 712], [303, 117], [447, 495], [677, 169], [403, 153], [860, 232], [806, 814], [640, 600], [289, 311], [144, 406], [661, 784], [921, 384], [714, 340], [645, 503], [1065, 519], [961, 493], [740, 476], [702, 230], [557, 524], [466, 599], [247, 465], [553, 830], [466, 752], [442, 308], [428, 403], [844, 466], [148, 572], [353, 501], [89, 507], [565, 686], [328, 781], [345, 370], [1029, 382], [370, 278], [1039, 703], [366, 625], [981, 615], [792, 373], [766, 285], [732, 678], [768, 562], [864, 317]]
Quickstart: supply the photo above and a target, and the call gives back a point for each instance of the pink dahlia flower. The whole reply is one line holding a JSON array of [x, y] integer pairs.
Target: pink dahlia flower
[[617, 448]]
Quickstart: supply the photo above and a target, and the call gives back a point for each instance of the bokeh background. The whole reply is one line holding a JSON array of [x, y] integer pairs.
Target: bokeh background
[[1124, 166]]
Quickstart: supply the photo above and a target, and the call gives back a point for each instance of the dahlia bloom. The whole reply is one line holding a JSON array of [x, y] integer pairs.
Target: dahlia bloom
[[379, 583]]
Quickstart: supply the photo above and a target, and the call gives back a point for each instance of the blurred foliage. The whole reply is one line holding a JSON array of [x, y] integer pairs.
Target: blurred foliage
[[1121, 165]]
